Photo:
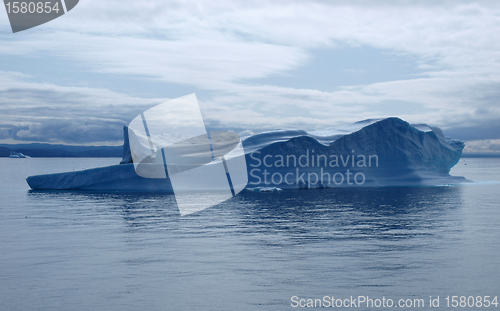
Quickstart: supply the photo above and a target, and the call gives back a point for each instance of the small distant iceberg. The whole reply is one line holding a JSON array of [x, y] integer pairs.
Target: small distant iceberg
[[369, 153], [264, 189], [18, 155]]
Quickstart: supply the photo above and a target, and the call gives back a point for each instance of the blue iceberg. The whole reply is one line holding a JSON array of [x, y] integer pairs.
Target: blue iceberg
[[376, 152]]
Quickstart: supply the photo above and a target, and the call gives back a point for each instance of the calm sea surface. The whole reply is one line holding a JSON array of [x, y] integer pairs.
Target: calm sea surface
[[119, 251]]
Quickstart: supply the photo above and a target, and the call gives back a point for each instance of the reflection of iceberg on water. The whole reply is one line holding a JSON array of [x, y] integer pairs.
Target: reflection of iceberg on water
[[168, 149]]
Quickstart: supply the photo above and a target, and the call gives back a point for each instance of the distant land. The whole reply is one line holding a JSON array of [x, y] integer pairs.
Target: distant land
[[39, 150]]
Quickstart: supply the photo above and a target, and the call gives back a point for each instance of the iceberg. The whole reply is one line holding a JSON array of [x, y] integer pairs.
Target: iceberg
[[264, 189], [369, 153], [18, 155]]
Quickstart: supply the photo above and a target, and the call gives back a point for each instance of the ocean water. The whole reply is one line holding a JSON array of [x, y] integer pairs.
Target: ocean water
[[72, 250]]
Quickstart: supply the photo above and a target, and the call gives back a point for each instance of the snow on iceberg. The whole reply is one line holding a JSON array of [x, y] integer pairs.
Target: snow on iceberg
[[377, 152]]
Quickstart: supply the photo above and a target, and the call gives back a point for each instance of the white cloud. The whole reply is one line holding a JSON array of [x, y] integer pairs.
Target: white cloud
[[221, 46], [484, 146]]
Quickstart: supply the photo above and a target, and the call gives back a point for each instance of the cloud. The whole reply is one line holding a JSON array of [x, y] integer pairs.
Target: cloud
[[34, 111], [483, 146], [223, 47], [69, 131], [485, 131]]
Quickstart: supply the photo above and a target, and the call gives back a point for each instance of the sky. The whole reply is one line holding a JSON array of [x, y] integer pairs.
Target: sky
[[255, 65]]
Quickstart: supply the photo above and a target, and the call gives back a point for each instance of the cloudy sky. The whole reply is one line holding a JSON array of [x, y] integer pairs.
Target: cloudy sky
[[254, 65]]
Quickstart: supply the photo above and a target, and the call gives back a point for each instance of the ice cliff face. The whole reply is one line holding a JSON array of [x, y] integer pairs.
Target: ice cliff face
[[382, 152]]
